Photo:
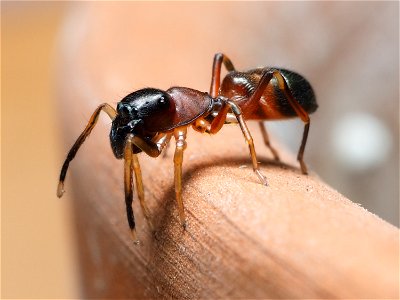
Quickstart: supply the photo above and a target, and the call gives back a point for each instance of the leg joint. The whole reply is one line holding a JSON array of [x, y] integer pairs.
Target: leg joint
[[235, 108]]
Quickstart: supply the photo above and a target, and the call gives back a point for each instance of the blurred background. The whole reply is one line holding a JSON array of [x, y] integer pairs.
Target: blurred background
[[349, 51]]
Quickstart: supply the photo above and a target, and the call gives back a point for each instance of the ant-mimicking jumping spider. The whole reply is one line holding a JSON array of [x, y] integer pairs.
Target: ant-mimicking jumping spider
[[146, 120]]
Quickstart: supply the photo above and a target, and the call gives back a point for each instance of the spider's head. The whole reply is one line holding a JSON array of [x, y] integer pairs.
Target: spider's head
[[142, 113]]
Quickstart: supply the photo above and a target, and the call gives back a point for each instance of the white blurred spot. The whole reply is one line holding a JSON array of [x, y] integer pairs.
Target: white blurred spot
[[361, 141]]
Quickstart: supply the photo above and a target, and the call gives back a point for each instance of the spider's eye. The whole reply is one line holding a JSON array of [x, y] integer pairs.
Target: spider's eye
[[162, 101], [125, 110]]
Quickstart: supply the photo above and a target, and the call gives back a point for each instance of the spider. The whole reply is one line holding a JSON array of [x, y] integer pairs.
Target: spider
[[146, 120]]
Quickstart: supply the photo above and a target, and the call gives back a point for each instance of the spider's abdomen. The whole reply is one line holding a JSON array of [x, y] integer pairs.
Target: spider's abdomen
[[273, 104]]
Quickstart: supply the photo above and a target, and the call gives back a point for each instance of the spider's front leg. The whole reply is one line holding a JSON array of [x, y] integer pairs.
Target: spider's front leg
[[74, 149]]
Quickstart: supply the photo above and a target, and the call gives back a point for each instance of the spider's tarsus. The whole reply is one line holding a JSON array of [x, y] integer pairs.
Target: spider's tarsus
[[134, 236], [262, 178], [303, 168], [60, 189], [183, 224]]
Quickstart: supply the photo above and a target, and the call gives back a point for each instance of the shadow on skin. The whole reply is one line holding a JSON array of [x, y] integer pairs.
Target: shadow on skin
[[165, 213], [169, 237]]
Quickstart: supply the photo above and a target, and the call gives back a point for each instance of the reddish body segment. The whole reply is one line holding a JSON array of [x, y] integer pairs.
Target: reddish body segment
[[190, 104]]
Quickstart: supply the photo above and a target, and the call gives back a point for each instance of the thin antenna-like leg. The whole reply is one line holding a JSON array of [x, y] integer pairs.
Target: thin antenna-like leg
[[180, 136], [72, 152], [236, 110], [219, 58], [128, 184], [267, 142]]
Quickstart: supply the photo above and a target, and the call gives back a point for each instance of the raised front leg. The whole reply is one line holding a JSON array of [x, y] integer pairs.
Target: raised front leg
[[72, 152]]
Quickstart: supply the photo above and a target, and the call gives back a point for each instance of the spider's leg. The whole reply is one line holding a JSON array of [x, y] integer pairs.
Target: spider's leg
[[74, 149]]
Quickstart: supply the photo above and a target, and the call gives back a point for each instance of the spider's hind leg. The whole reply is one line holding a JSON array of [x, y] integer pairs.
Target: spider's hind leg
[[267, 142]]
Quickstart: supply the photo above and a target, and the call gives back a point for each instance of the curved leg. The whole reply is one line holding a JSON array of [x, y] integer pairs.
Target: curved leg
[[267, 142], [180, 137], [219, 58], [303, 115], [74, 149]]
